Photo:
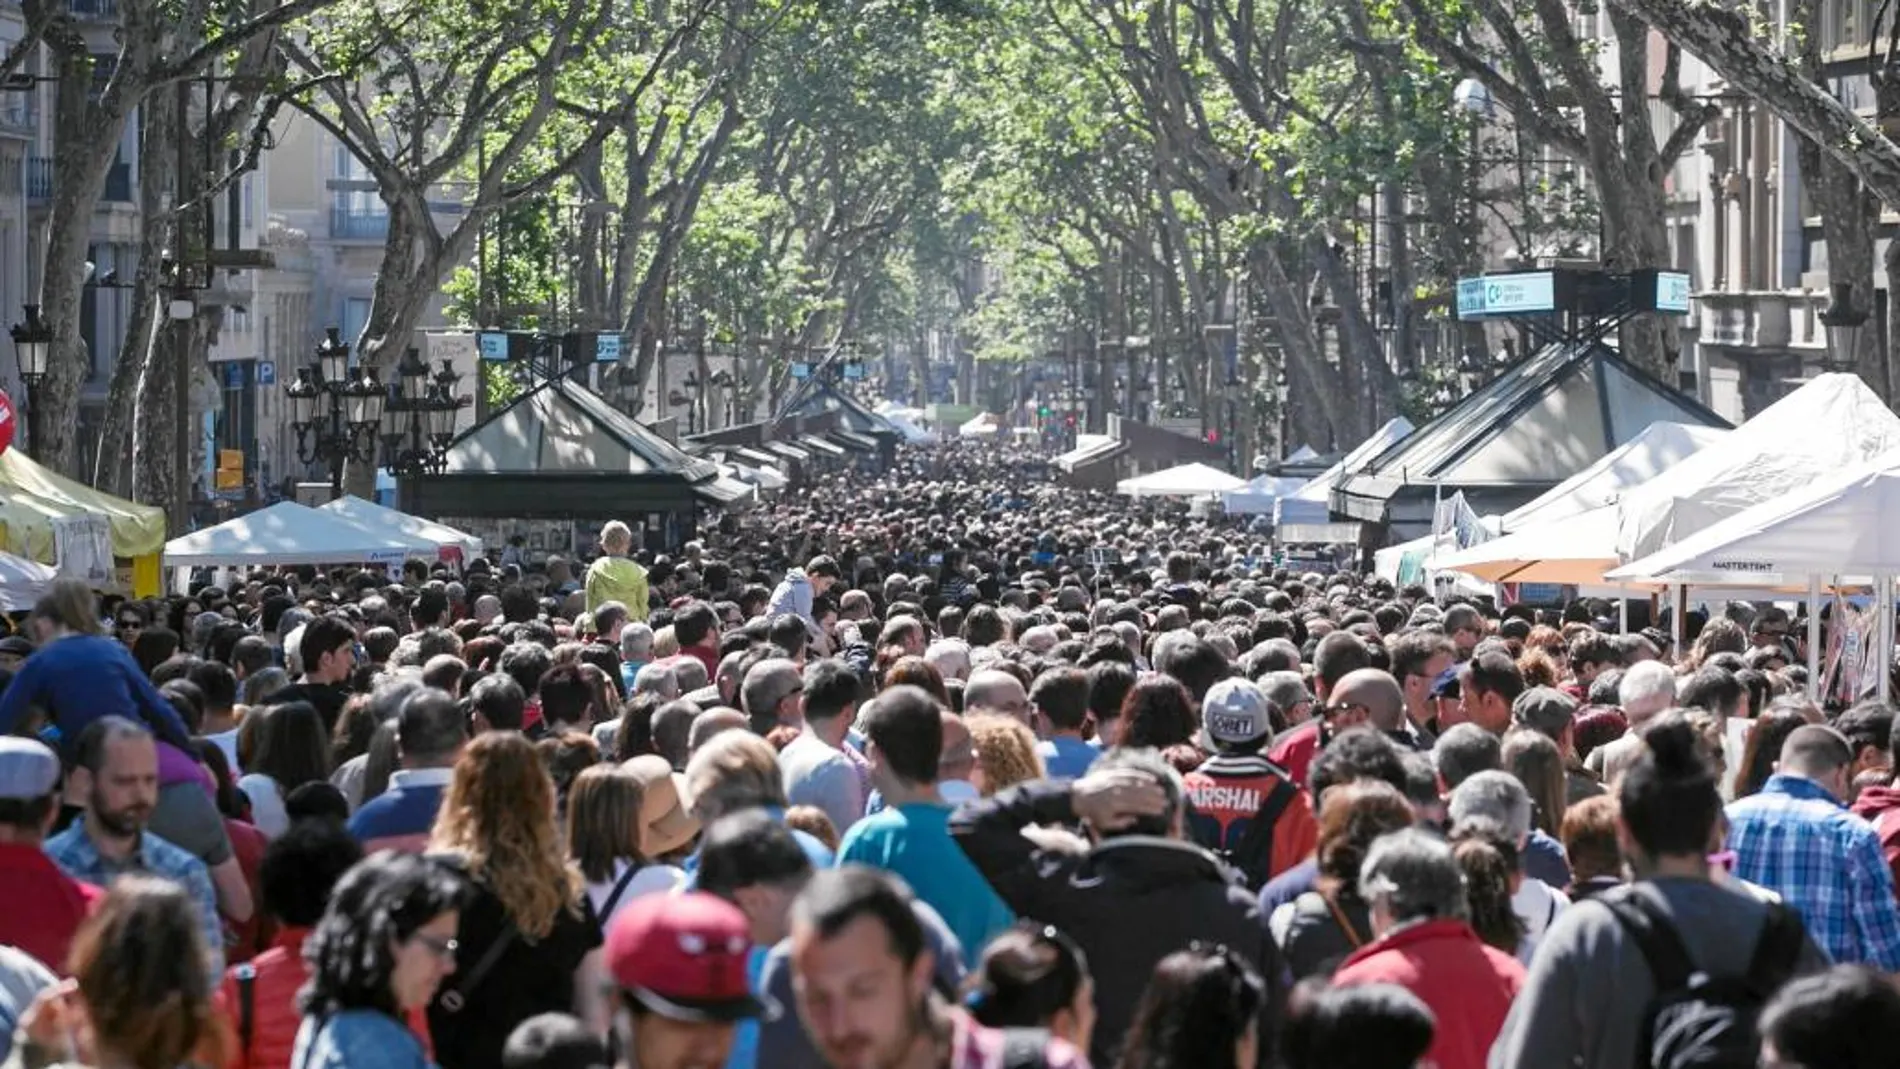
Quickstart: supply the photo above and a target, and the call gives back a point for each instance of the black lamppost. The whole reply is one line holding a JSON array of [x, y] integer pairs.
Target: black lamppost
[[32, 347], [419, 417], [1843, 321], [335, 412]]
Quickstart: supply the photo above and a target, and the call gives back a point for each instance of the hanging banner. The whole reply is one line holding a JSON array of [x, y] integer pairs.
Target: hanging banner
[[82, 546], [391, 560], [9, 422]]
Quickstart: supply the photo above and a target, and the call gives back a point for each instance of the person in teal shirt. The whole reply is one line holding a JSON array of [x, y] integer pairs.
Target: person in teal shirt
[[911, 836]]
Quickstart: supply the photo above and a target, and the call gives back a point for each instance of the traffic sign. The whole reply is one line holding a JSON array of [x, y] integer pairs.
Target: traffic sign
[[266, 373]]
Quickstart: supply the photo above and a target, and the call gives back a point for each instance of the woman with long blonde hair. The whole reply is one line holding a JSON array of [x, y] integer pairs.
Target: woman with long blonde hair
[[529, 943], [604, 838]]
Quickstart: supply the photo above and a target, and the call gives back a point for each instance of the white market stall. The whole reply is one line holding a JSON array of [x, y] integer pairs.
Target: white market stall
[[1660, 446], [983, 425], [289, 533], [1833, 422], [22, 581], [1311, 503], [1257, 497], [1188, 480], [381, 518]]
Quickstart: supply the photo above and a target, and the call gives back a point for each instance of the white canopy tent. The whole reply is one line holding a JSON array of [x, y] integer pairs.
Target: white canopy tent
[[1188, 480], [1258, 496], [380, 518], [982, 426], [1658, 448], [1840, 524], [22, 581], [1311, 502], [1833, 422], [289, 533], [1568, 534], [906, 426]]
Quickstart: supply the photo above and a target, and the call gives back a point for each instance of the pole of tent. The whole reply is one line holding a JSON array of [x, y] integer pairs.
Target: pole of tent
[[1883, 604], [1680, 594], [1622, 616], [1814, 636]]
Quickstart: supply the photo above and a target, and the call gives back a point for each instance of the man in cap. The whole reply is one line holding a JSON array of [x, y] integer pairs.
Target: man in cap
[[1549, 712], [1245, 808], [44, 905], [678, 963]]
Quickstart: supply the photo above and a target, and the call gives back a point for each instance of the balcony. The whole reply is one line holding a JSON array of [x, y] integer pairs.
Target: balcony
[[39, 182], [358, 225], [93, 9]]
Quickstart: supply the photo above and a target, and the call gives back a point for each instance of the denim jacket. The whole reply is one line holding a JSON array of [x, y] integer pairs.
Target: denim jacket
[[357, 1039]]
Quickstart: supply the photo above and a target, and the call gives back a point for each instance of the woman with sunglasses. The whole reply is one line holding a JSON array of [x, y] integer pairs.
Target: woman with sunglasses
[[381, 951], [1034, 977]]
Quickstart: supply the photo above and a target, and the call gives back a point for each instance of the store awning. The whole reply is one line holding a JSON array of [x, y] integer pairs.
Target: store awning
[[862, 443], [723, 490], [759, 457], [1092, 449], [812, 443], [789, 451]]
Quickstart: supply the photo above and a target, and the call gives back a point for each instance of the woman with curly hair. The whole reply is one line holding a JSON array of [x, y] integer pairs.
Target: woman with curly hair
[[526, 916], [384, 948], [140, 993], [1005, 753], [1158, 712]]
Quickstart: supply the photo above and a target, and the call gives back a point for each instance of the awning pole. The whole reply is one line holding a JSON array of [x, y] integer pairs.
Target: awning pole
[[1883, 604], [1814, 636], [1678, 626]]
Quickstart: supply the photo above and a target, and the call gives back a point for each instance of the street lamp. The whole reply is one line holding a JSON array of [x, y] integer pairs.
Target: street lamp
[[418, 416], [32, 347], [1843, 321], [335, 415]]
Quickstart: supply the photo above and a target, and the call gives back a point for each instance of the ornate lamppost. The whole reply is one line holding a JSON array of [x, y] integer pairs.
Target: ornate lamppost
[[33, 348], [419, 417], [335, 411]]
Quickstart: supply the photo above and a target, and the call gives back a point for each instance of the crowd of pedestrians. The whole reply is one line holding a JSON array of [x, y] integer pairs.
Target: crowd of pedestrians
[[944, 769]]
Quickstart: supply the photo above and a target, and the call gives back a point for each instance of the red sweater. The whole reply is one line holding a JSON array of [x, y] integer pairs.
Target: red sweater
[[280, 971], [1880, 806], [1468, 985]]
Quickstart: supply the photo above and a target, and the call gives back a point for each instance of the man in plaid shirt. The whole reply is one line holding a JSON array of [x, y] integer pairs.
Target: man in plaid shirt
[[1797, 839]]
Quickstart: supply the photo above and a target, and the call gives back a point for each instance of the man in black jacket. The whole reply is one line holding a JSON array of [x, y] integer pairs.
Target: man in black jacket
[[1141, 893]]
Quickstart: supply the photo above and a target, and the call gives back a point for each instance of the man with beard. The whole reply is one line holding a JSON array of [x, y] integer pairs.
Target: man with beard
[[115, 769], [862, 973]]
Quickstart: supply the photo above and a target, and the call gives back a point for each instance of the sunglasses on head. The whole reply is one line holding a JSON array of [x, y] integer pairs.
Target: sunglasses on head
[[1338, 709]]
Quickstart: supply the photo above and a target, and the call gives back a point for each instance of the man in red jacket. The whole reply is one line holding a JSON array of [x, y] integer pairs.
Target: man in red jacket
[[1424, 945], [1880, 806]]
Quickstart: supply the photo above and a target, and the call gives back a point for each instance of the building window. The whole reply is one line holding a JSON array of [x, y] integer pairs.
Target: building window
[[355, 315]]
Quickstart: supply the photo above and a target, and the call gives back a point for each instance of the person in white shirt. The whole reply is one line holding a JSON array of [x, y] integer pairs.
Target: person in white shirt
[[621, 821], [1498, 796], [817, 768]]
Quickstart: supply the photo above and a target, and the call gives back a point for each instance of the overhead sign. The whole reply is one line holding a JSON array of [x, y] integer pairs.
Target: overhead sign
[[1672, 291], [854, 371], [607, 349], [1524, 293], [492, 344]]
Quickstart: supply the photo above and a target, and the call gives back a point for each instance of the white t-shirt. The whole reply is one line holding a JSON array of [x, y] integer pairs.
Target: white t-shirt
[[227, 741], [1537, 904], [651, 880], [267, 804]]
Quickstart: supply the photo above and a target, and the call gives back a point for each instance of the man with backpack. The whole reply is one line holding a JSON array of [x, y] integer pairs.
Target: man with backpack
[[1610, 986], [1245, 808]]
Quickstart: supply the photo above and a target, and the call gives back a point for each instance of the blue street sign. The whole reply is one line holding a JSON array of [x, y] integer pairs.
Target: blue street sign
[[607, 349], [266, 373], [234, 375], [1503, 295], [853, 371], [801, 371], [1672, 291], [493, 344]]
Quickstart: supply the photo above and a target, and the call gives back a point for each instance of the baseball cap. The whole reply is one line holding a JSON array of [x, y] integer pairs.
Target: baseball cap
[[1546, 710], [1235, 711], [684, 956], [29, 770]]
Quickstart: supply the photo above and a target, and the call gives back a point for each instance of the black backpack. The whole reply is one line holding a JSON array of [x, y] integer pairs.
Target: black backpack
[[1697, 1021]]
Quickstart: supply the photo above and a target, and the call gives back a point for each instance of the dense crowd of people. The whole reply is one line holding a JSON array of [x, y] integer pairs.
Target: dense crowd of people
[[946, 768]]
